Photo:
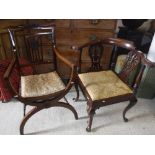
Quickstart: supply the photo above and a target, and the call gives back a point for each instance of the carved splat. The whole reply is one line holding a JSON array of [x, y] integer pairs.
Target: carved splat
[[132, 61], [95, 53]]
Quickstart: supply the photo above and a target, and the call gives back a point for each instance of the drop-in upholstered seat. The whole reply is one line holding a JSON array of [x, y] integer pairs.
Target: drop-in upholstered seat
[[41, 84], [104, 84]]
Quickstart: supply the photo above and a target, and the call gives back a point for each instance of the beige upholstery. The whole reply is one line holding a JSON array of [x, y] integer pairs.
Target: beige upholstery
[[103, 84], [41, 84]]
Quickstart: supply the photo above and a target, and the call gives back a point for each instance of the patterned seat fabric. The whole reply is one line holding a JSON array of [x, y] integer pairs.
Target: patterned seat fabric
[[104, 84], [41, 84]]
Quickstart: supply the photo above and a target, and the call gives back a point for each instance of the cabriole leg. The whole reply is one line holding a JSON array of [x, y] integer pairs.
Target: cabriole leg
[[130, 105], [91, 113]]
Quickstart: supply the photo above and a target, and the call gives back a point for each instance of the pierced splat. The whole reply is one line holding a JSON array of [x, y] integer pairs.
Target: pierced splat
[[132, 62], [95, 53]]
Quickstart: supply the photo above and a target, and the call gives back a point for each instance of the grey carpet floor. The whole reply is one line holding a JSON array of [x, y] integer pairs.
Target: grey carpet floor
[[59, 121]]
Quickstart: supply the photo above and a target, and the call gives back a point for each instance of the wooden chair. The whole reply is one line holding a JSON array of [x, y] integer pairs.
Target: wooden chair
[[105, 87], [39, 90]]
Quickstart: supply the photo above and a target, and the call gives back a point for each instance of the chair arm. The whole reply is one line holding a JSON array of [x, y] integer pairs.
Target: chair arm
[[8, 73], [71, 65], [63, 59], [119, 42], [9, 69], [144, 62], [147, 62]]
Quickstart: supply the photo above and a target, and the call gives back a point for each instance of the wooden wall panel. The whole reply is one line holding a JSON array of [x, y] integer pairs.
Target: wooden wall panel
[[105, 24], [69, 32]]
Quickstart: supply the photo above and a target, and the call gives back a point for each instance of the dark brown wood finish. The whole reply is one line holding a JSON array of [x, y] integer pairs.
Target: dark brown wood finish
[[133, 59], [46, 101]]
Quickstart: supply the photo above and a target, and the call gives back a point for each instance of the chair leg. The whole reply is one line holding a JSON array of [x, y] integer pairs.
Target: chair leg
[[91, 115], [27, 116], [37, 109], [24, 109], [130, 105], [77, 91]]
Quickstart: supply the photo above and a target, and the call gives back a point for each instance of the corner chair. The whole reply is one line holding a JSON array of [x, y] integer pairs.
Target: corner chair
[[103, 87]]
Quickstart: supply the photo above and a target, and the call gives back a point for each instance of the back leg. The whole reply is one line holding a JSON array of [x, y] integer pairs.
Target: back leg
[[77, 91]]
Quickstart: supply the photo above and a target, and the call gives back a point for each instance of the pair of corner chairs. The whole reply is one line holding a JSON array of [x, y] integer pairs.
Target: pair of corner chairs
[[100, 87]]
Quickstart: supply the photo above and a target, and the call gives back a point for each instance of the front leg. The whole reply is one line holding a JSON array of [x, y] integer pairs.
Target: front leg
[[130, 105], [27, 116], [91, 113]]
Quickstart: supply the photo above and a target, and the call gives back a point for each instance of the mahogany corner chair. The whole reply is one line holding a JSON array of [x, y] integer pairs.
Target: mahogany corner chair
[[39, 90], [103, 87]]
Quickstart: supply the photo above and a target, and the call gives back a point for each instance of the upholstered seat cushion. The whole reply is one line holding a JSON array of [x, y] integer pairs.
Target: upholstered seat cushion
[[103, 84], [41, 84]]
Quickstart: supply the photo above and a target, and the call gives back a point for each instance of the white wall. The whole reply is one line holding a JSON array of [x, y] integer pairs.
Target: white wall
[[151, 53]]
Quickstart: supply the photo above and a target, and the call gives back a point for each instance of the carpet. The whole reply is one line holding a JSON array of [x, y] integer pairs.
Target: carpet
[[60, 121]]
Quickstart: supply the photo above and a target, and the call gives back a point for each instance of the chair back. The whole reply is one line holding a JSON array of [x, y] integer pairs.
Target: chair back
[[34, 43], [100, 52], [135, 61]]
